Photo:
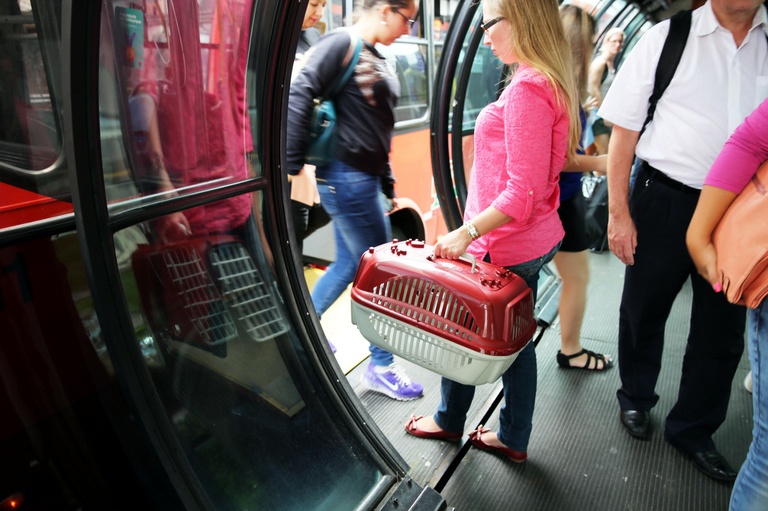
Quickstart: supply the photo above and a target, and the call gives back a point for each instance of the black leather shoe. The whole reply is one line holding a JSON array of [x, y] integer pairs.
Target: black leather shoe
[[637, 423], [712, 464]]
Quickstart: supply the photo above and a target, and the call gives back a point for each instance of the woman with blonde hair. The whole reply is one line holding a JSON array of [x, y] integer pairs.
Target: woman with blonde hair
[[572, 260], [522, 142], [601, 73]]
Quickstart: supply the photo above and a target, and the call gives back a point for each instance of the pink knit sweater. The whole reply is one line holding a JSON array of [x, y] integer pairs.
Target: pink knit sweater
[[520, 148]]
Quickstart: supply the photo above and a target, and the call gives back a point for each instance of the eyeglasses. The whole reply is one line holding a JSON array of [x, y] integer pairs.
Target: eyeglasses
[[406, 18], [488, 24]]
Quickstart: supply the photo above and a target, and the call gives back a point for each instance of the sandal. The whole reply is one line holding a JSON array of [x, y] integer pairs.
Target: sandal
[[476, 437], [412, 428], [564, 361]]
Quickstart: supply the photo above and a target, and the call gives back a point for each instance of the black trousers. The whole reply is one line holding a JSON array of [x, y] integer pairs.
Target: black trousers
[[306, 220], [661, 213]]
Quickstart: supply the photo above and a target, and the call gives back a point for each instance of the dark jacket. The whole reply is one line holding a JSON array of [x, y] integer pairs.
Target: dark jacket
[[365, 106]]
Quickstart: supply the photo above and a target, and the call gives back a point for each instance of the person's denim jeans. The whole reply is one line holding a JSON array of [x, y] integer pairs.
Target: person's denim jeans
[[519, 381], [750, 492], [352, 199]]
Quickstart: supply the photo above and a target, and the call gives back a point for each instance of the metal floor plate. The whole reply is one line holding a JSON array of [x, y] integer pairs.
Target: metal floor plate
[[580, 458]]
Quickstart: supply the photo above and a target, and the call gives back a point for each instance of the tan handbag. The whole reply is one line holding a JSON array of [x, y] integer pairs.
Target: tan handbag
[[741, 243]]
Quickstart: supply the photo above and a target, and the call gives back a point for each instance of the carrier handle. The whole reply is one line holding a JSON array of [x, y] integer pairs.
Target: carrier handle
[[466, 256]]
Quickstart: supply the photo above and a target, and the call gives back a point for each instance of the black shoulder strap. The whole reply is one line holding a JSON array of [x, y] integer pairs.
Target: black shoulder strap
[[679, 27]]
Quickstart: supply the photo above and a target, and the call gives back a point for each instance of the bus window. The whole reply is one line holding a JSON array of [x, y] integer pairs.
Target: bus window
[[33, 181], [29, 137], [227, 370], [411, 66], [233, 375], [485, 83]]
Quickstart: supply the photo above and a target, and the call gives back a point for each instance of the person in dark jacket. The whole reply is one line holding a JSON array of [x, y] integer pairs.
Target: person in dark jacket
[[351, 185], [308, 213]]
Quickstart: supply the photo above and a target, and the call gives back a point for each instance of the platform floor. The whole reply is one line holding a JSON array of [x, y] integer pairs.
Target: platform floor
[[580, 458]]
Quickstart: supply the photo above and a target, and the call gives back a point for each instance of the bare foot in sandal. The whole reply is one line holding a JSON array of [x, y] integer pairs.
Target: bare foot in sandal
[[585, 359]]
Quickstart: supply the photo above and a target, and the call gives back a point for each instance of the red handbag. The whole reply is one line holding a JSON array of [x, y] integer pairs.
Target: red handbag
[[741, 243]]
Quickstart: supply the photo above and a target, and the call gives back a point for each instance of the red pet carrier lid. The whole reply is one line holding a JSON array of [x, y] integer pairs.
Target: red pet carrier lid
[[480, 306]]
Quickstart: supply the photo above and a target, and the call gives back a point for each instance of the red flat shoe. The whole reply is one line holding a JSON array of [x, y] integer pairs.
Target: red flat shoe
[[412, 428], [476, 438]]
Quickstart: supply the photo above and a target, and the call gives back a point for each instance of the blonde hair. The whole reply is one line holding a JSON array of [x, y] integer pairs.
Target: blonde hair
[[539, 41], [579, 29], [610, 33]]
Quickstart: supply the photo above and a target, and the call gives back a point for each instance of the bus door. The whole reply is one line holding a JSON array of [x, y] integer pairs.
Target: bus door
[[158, 347], [470, 77]]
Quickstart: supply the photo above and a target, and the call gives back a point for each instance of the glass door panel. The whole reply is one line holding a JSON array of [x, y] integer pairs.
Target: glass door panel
[[234, 371], [232, 374]]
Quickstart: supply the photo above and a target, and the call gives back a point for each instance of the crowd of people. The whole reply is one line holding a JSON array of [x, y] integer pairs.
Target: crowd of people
[[525, 208]]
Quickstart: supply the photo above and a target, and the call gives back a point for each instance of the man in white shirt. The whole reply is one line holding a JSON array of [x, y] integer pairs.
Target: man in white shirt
[[721, 78]]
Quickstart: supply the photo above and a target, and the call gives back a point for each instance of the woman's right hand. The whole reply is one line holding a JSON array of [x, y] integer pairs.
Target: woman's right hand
[[170, 228], [454, 244]]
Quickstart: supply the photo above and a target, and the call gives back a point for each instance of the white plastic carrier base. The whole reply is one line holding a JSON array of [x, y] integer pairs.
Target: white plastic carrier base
[[451, 360]]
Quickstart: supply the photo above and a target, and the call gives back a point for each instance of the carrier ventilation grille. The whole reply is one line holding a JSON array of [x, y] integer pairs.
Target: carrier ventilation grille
[[202, 301], [246, 292], [426, 302]]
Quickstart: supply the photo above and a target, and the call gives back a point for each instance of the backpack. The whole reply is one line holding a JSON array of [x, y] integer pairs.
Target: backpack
[[323, 123], [671, 52]]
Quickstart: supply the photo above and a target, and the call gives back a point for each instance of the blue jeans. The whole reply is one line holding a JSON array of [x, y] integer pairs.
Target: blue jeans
[[750, 492], [515, 417], [352, 200]]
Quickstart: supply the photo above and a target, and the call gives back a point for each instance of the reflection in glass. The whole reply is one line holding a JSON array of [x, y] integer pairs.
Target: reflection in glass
[[176, 70], [251, 421], [208, 314], [29, 138], [64, 422]]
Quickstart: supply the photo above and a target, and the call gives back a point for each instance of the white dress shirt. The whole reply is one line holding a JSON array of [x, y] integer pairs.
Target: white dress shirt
[[715, 87]]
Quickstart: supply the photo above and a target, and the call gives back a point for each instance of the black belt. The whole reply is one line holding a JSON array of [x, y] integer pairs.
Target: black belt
[[657, 175]]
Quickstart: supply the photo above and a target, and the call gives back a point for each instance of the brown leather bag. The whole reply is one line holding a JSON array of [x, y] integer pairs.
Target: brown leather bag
[[741, 243]]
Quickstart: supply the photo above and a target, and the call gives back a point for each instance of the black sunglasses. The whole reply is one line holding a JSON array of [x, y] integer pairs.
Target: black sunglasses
[[488, 24], [406, 18]]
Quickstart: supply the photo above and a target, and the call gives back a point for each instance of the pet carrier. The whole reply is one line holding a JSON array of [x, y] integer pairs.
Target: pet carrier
[[464, 320]]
